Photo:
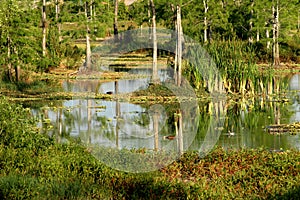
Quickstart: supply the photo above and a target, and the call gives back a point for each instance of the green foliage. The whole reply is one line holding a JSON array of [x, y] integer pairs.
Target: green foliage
[[18, 44], [13, 116], [20, 33]]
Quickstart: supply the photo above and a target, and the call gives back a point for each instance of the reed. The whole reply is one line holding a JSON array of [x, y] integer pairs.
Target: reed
[[236, 62]]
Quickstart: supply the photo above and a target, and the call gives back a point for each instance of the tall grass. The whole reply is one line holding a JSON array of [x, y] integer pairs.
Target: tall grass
[[236, 63]]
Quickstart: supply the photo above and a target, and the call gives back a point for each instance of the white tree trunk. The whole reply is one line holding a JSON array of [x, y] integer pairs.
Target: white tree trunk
[[88, 45], [176, 47], [205, 19], [57, 12], [251, 23], [179, 45], [268, 37], [91, 9], [155, 78], [276, 60]]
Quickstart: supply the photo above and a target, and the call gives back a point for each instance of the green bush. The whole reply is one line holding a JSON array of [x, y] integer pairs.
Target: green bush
[[18, 128]]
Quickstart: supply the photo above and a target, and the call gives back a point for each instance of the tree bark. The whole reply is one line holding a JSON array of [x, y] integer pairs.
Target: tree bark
[[205, 20], [176, 47], [298, 21], [276, 60], [155, 78], [9, 66], [57, 13], [91, 9], [88, 46], [116, 20], [179, 45], [44, 27], [17, 73], [251, 23], [17, 67], [268, 37]]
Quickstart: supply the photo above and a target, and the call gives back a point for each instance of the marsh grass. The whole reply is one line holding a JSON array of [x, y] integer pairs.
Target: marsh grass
[[236, 62]]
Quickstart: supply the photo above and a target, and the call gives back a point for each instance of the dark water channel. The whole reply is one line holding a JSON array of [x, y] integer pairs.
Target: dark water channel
[[173, 127]]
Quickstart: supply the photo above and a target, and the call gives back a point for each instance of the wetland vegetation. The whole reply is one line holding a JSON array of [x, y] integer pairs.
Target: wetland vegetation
[[94, 105]]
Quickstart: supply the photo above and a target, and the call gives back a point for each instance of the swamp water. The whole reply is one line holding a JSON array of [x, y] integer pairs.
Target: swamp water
[[107, 128], [117, 124]]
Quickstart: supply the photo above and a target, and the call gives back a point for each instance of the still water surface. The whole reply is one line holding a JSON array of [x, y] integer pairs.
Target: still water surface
[[124, 125]]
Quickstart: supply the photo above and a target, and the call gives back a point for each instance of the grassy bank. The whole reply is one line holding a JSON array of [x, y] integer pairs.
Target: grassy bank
[[33, 166]]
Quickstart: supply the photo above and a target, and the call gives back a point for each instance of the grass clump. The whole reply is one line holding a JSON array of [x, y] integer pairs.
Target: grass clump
[[33, 166]]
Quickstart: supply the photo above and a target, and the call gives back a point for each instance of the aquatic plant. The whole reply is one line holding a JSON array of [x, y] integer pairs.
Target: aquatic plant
[[236, 63]]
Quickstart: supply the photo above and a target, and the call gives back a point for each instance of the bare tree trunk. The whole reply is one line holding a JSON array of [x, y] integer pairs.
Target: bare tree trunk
[[276, 60], [298, 21], [257, 30], [18, 72], [251, 23], [176, 47], [268, 37], [88, 50], [277, 113], [17, 67], [57, 12], [274, 34], [116, 20], [88, 45], [205, 19], [9, 65], [155, 78], [94, 11], [44, 26], [149, 13], [179, 45], [91, 9]]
